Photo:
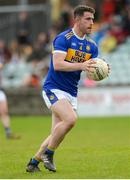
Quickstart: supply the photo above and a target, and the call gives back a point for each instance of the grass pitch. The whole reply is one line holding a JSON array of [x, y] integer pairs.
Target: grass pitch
[[95, 148]]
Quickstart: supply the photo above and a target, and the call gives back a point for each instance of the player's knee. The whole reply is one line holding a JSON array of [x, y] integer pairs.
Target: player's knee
[[71, 120], [4, 112]]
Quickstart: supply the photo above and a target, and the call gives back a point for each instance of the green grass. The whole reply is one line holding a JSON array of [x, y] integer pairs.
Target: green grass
[[95, 148]]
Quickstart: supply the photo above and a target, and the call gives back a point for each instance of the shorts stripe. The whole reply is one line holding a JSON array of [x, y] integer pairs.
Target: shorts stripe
[[49, 97], [53, 95]]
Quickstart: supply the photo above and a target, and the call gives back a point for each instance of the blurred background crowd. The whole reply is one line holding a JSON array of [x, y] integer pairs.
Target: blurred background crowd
[[27, 28]]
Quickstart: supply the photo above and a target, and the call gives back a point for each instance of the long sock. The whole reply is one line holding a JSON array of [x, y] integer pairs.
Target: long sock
[[35, 161], [7, 131], [49, 151]]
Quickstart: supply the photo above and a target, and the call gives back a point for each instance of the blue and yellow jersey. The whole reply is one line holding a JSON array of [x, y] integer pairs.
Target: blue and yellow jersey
[[77, 50]]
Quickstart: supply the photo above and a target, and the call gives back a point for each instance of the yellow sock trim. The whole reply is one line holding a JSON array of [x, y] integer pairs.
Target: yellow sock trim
[[37, 158], [52, 149]]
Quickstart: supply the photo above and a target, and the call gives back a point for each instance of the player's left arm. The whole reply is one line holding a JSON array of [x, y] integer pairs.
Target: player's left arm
[[1, 65], [95, 54]]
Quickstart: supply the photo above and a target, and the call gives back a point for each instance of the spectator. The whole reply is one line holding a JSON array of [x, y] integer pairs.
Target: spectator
[[108, 9], [23, 29], [126, 20], [5, 54], [41, 48], [116, 29], [39, 60], [65, 20], [16, 70]]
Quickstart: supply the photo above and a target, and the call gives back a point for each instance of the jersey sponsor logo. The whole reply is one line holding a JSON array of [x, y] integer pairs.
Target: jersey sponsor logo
[[77, 56]]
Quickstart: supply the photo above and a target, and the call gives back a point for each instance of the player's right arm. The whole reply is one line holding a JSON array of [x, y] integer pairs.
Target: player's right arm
[[60, 64], [60, 46]]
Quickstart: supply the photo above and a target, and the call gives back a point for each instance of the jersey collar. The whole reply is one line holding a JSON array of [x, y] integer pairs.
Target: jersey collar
[[77, 35]]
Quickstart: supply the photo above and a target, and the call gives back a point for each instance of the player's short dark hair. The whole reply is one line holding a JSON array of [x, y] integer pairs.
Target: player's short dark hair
[[80, 9]]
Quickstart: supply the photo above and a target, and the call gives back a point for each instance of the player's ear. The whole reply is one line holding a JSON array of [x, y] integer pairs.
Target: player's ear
[[77, 18]]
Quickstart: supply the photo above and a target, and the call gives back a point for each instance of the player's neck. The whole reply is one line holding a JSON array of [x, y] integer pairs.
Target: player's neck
[[78, 32]]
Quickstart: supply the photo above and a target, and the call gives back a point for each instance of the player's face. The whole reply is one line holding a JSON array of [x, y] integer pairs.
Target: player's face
[[86, 23]]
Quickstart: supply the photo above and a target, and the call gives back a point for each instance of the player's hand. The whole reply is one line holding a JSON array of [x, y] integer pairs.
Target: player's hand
[[89, 65]]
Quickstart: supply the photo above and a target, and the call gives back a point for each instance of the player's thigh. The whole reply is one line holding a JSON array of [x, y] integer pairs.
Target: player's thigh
[[3, 107], [64, 110], [55, 120], [3, 103]]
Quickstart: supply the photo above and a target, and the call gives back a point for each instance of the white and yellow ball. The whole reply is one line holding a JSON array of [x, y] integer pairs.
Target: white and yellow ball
[[100, 70]]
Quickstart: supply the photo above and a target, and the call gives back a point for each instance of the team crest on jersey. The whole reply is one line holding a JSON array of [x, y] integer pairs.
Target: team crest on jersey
[[81, 47], [88, 48], [51, 97]]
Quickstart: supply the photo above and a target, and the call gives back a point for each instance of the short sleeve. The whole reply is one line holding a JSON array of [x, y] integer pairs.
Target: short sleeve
[[95, 52], [60, 44]]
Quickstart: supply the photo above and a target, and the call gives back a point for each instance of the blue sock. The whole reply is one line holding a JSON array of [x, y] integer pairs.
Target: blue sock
[[7, 131], [34, 161], [49, 151]]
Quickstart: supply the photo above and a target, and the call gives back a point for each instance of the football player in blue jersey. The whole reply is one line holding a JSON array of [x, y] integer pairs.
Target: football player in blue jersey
[[72, 53]]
